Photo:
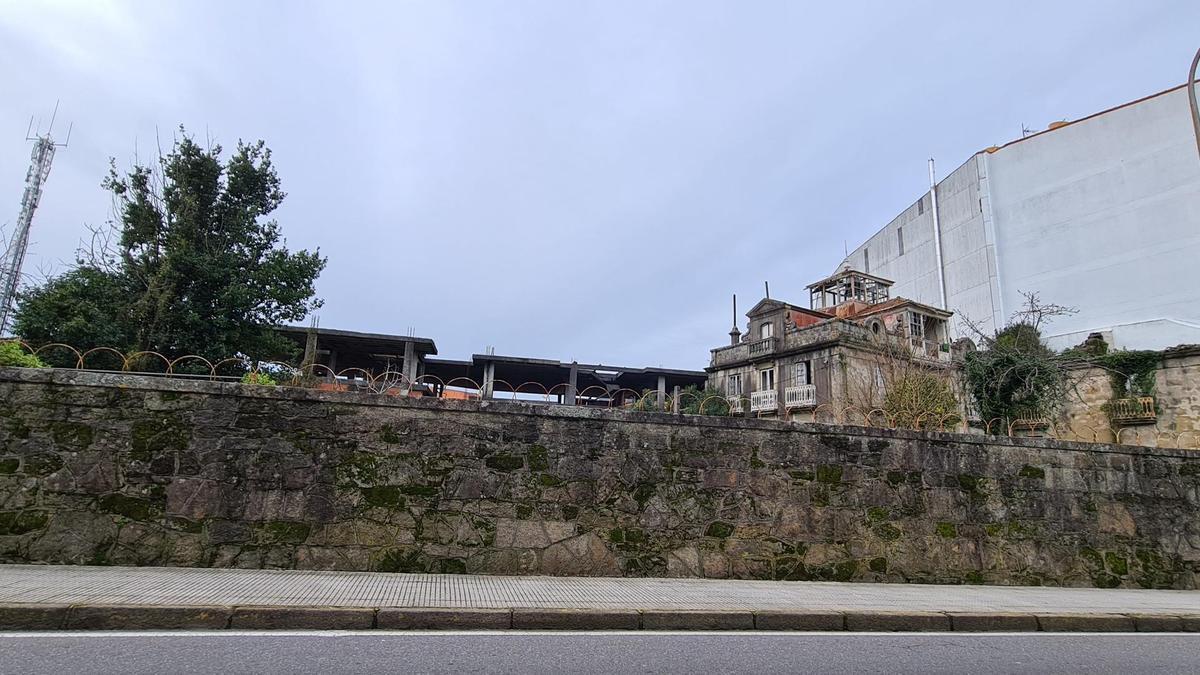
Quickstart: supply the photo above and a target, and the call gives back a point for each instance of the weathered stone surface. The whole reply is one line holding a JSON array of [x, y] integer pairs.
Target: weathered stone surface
[[585, 555], [120, 469], [531, 533], [897, 621]]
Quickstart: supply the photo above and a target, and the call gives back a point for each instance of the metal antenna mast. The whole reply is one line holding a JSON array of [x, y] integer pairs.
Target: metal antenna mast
[[14, 255]]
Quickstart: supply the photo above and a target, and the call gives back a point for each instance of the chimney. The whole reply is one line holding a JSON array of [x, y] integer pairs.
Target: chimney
[[735, 335]]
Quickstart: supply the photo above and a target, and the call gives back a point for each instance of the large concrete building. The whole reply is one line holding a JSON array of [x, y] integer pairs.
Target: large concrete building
[[1101, 214]]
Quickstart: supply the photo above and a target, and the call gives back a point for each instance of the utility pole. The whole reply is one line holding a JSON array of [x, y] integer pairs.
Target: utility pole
[[14, 255]]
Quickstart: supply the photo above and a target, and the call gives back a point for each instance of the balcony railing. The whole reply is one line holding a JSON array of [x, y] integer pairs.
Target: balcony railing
[[761, 347], [930, 349], [803, 396], [763, 400], [1138, 410]]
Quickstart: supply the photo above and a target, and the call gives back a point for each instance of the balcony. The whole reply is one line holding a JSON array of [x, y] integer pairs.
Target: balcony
[[1138, 410], [761, 401], [762, 347], [803, 396], [929, 349]]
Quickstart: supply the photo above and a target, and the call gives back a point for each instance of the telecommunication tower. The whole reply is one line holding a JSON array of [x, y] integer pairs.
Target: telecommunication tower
[[18, 241]]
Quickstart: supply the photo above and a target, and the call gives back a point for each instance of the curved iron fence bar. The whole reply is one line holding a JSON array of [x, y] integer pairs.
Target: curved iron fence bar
[[365, 373], [566, 387], [78, 356], [602, 393], [134, 355], [232, 359], [624, 399], [171, 365], [93, 350], [714, 397], [474, 385], [433, 378], [545, 392]]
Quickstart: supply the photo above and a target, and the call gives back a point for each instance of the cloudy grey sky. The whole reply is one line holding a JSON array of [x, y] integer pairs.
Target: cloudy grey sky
[[566, 179]]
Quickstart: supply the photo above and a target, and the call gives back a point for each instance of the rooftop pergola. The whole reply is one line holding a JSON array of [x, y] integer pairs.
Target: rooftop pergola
[[847, 285]]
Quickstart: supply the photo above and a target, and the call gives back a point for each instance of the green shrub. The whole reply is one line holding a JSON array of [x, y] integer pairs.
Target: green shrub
[[259, 378], [12, 354]]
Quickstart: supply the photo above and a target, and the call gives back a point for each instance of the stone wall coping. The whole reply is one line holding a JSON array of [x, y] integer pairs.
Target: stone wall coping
[[116, 380]]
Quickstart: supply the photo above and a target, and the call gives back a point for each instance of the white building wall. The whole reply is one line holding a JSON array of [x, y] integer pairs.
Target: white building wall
[[1102, 214], [966, 252]]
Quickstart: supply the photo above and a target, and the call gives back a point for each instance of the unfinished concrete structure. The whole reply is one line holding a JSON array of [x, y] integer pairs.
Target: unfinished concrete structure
[[794, 359]]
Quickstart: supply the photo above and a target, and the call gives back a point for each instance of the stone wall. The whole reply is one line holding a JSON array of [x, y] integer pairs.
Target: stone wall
[[1176, 396], [132, 470]]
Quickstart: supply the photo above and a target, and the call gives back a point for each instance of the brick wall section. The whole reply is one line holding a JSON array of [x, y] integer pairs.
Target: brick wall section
[[134, 470]]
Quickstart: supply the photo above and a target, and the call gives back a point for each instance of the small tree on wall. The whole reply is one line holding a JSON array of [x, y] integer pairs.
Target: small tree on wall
[[911, 393], [1014, 376]]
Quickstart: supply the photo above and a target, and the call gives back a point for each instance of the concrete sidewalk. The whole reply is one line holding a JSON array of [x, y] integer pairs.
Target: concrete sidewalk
[[34, 597]]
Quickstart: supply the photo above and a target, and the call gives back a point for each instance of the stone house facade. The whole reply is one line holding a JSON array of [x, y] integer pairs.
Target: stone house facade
[[793, 361]]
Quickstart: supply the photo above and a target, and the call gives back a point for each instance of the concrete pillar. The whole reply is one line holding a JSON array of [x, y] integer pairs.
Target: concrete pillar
[[310, 352], [675, 401], [489, 379], [662, 391], [572, 384], [410, 364]]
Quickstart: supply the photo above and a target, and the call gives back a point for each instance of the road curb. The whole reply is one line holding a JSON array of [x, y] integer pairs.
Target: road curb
[[697, 620], [443, 619], [576, 619], [799, 620], [147, 617], [49, 617], [302, 618], [1087, 623], [33, 617], [992, 621], [898, 621]]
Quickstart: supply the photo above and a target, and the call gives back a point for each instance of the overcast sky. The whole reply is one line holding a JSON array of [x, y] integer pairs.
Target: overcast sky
[[560, 179]]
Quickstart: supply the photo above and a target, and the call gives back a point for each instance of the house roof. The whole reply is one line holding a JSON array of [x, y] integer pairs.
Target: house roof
[[897, 303], [770, 304]]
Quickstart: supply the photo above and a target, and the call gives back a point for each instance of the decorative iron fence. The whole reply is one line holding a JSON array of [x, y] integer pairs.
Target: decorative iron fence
[[799, 402]]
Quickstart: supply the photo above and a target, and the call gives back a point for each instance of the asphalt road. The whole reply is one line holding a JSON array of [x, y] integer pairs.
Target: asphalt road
[[599, 652]]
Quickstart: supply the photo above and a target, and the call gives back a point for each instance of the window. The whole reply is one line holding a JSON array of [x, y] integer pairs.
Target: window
[[733, 385], [921, 206], [900, 239], [766, 330], [916, 325], [802, 374], [867, 261], [766, 379]]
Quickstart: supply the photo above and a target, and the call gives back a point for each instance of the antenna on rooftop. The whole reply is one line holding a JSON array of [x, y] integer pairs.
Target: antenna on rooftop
[[14, 254], [767, 289], [735, 310], [1025, 131]]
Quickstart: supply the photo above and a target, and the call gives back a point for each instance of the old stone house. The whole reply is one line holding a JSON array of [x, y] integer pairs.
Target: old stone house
[[795, 360]]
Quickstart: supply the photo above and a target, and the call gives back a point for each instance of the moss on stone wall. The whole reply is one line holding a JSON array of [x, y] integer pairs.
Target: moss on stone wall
[[307, 482]]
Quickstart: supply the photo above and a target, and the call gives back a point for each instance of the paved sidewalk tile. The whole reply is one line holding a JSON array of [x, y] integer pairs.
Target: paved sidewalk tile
[[47, 597]]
